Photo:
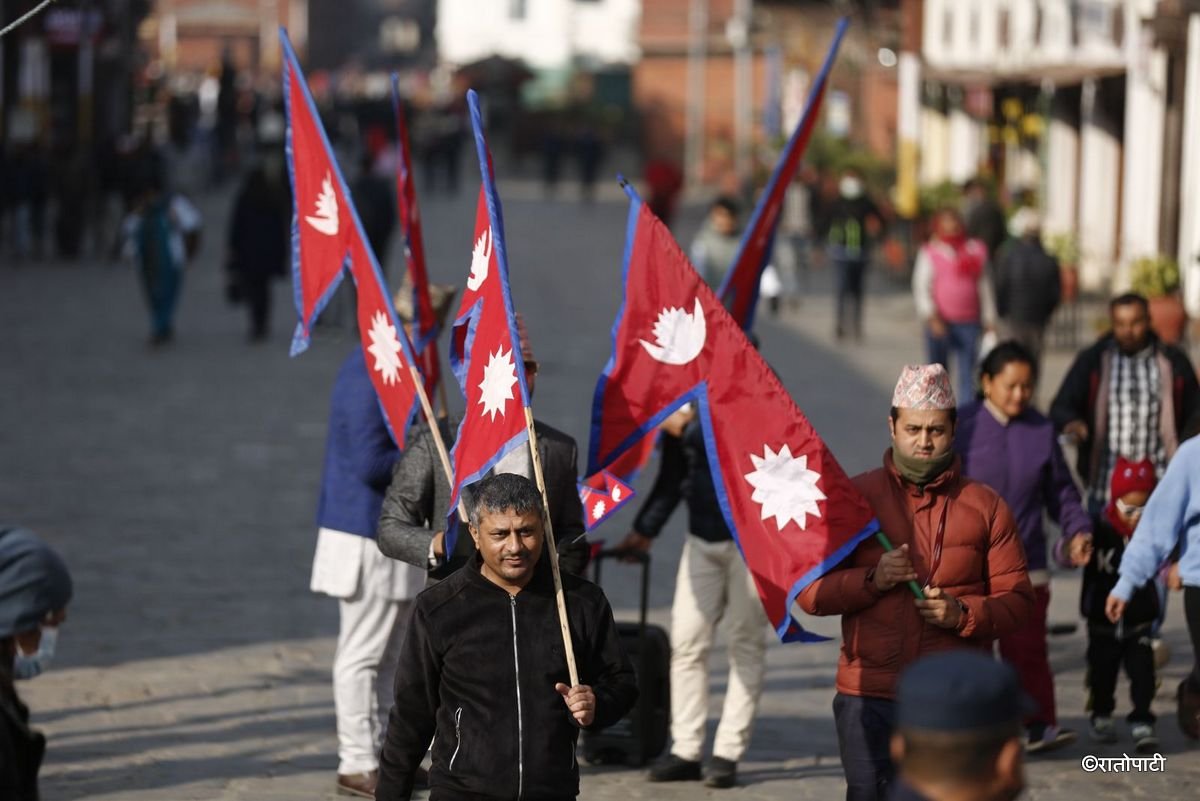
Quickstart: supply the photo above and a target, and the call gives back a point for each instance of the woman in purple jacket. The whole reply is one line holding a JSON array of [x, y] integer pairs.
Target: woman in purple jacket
[[1014, 450]]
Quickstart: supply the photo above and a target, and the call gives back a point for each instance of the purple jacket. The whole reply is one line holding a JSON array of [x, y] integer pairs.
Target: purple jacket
[[1023, 463]]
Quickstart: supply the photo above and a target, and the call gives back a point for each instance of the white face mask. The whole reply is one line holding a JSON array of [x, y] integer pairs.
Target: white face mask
[[850, 187], [28, 666]]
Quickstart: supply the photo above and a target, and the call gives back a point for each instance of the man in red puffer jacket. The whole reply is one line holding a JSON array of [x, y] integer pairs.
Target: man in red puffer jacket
[[953, 536]]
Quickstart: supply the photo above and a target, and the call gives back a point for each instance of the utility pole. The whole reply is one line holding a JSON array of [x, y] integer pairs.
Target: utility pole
[[697, 65]]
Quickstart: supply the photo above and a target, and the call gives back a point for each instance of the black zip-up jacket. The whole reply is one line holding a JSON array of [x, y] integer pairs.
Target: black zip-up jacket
[[684, 474], [1100, 576], [476, 676]]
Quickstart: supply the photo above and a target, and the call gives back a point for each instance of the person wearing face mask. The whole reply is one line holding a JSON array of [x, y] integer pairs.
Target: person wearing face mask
[[1123, 638], [953, 294], [951, 535], [849, 225], [35, 588], [1009, 446]]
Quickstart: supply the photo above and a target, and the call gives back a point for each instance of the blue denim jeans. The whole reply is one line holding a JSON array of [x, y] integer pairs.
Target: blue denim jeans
[[961, 341], [864, 729]]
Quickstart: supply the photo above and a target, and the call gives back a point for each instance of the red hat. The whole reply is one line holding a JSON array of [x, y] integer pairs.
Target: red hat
[[1130, 477]]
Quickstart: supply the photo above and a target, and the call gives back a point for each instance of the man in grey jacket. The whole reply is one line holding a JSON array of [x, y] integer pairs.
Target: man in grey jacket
[[413, 519]]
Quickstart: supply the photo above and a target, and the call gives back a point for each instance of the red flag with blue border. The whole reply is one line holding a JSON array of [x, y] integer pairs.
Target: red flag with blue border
[[791, 508], [739, 290]]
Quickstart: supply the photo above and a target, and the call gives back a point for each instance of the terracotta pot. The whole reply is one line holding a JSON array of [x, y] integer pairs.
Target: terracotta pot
[[1168, 318], [1069, 281]]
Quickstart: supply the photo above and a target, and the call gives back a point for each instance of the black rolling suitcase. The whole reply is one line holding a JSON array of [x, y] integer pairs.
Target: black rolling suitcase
[[642, 734]]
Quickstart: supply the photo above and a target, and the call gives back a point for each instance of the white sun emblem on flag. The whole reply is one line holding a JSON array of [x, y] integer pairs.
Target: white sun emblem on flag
[[785, 487], [499, 376], [385, 347], [598, 510]]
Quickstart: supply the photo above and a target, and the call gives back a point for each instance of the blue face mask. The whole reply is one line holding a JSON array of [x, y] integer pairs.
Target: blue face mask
[[27, 666]]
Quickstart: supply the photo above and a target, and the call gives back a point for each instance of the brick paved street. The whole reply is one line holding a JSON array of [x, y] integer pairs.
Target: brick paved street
[[180, 485]]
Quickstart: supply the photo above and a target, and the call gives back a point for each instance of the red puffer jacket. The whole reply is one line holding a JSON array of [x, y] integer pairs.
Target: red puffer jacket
[[982, 564]]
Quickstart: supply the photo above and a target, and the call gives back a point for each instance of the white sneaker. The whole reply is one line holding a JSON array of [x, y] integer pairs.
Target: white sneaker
[[1143, 737], [1103, 730]]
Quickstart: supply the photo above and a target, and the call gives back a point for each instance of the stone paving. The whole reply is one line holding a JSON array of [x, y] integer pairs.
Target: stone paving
[[180, 484]]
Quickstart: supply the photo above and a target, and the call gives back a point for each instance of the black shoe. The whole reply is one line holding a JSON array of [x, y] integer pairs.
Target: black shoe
[[674, 769], [720, 773]]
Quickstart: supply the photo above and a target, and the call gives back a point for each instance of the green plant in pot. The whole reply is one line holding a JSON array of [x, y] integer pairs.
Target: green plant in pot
[[1157, 279], [1064, 247]]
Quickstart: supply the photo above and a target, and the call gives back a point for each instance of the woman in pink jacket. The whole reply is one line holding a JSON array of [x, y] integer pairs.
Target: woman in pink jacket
[[953, 293]]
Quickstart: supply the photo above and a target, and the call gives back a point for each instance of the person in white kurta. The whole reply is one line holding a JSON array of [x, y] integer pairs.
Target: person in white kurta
[[373, 592]]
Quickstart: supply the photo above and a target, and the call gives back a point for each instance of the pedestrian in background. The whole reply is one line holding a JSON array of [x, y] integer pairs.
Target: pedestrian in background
[[373, 592], [983, 217], [1009, 446], [953, 295], [1129, 395], [849, 224], [162, 235], [1028, 284], [35, 587], [958, 730], [260, 230], [1125, 639], [716, 246], [1170, 524]]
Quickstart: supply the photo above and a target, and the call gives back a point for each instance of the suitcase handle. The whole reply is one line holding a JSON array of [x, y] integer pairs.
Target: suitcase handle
[[640, 556]]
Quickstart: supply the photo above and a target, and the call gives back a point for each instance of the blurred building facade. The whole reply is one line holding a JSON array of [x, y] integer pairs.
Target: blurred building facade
[[192, 36], [693, 100], [1094, 105], [66, 75]]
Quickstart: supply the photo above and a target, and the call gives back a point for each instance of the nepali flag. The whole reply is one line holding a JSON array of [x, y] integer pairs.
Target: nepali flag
[[337, 240], [790, 506], [485, 352], [321, 211], [600, 502], [424, 326], [739, 290]]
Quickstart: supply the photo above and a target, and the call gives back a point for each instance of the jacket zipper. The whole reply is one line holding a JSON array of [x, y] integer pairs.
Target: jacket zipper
[[520, 722], [457, 736]]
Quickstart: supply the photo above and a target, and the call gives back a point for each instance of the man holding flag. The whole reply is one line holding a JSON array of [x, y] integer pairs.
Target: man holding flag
[[954, 537]]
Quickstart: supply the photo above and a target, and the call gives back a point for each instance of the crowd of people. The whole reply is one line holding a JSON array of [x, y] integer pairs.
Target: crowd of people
[[966, 493]]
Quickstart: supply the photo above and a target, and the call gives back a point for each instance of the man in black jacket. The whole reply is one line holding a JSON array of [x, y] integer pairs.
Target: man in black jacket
[[1028, 284], [482, 671], [1127, 395]]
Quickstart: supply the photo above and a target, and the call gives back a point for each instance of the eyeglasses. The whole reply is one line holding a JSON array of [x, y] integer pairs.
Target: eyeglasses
[[1128, 509], [531, 367]]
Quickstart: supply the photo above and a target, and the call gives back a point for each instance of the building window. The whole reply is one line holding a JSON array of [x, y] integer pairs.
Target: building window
[[948, 28], [516, 9], [1003, 25]]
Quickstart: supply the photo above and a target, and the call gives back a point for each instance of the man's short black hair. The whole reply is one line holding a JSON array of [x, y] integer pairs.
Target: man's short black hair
[[956, 756], [1129, 299], [953, 415], [504, 492], [729, 203]]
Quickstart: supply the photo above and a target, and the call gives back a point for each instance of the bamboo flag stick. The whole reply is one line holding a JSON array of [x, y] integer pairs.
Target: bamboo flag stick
[[443, 454], [553, 548]]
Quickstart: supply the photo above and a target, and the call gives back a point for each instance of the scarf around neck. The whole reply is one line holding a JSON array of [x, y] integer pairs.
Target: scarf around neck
[[921, 471]]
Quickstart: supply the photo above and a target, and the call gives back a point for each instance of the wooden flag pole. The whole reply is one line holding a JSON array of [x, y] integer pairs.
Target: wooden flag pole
[[438, 442], [553, 548]]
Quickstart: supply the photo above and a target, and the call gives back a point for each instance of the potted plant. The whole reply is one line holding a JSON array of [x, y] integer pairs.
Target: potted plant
[[1064, 247], [1157, 279]]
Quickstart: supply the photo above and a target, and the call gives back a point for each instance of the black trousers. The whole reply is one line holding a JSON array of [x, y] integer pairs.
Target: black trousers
[[1191, 607], [864, 729], [1106, 654]]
